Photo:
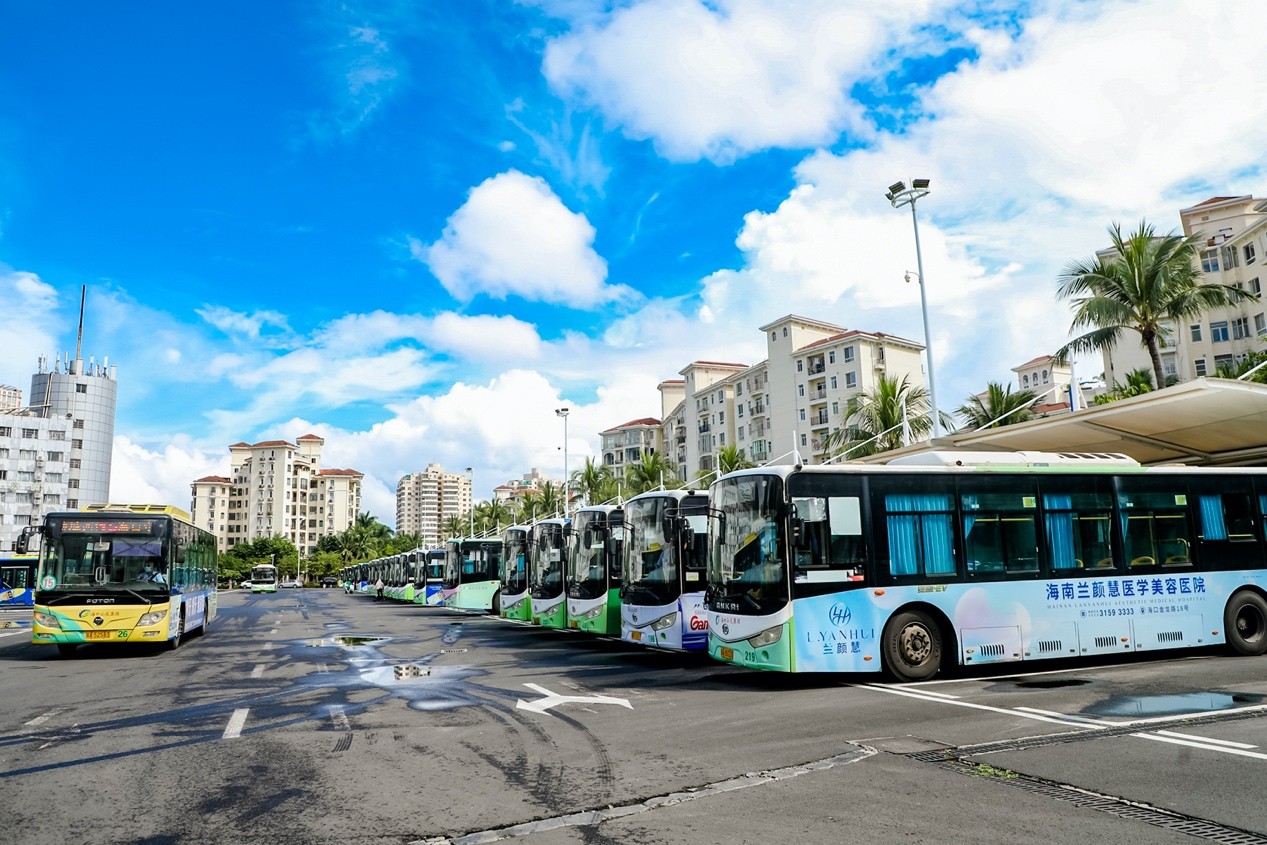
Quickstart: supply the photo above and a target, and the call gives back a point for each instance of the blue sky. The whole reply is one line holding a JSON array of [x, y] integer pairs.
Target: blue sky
[[418, 228]]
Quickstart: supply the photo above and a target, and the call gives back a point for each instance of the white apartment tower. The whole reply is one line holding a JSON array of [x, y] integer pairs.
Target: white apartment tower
[[55, 454], [277, 488], [425, 500], [1234, 253], [625, 444]]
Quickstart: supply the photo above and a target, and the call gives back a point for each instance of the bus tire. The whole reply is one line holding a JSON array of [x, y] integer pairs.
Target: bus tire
[[912, 646], [496, 608], [1245, 621], [174, 642], [67, 649]]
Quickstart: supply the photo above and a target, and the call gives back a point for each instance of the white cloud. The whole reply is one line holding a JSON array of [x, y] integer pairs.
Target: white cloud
[[237, 323], [725, 79], [514, 237], [161, 476], [28, 328]]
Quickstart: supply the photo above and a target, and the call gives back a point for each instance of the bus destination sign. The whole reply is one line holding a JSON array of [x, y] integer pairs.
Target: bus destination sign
[[108, 526]]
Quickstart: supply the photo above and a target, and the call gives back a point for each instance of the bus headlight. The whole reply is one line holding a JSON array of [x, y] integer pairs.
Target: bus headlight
[[151, 618], [592, 614], [769, 636], [664, 622], [47, 620]]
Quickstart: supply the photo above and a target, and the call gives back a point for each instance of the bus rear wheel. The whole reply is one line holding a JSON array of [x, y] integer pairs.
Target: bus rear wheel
[[1245, 621], [912, 646]]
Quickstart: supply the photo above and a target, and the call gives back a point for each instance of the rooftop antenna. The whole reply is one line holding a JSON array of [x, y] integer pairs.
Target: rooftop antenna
[[79, 340]]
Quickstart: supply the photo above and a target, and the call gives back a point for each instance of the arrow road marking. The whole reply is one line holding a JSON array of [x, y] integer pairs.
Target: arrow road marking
[[554, 699]]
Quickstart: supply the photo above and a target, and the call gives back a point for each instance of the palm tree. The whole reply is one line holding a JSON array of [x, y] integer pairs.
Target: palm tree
[[529, 507], [730, 458], [1149, 284], [370, 523], [651, 470], [594, 483], [455, 526], [550, 499], [492, 516], [885, 417], [1138, 381], [997, 406]]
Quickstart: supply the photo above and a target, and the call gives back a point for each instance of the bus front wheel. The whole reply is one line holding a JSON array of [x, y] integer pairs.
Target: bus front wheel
[[174, 642], [1245, 622], [912, 646]]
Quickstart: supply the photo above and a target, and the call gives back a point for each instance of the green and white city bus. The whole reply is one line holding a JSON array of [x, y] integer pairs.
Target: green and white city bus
[[593, 569], [516, 603], [546, 540], [663, 571], [967, 558], [472, 574]]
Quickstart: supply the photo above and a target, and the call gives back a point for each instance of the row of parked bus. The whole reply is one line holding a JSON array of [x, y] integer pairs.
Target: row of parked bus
[[933, 560]]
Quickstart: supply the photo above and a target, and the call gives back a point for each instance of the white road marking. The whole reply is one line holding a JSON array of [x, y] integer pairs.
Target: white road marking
[[41, 719], [923, 695], [258, 671], [1240, 752], [1228, 743], [236, 722], [554, 700]]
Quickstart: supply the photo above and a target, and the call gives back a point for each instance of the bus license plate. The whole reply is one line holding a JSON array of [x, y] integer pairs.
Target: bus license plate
[[635, 635], [572, 623], [97, 635], [727, 654]]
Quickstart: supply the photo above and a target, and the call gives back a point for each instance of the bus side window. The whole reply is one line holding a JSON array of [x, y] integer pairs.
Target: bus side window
[[1227, 534], [827, 539], [1155, 523]]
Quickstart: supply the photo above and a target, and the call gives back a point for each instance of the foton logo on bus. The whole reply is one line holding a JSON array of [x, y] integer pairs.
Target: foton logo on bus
[[698, 624]]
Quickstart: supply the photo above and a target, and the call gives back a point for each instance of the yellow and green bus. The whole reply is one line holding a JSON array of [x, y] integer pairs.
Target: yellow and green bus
[[123, 574]]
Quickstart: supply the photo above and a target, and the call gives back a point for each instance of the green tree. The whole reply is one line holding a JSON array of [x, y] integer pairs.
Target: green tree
[[594, 483], [492, 516], [550, 500], [1243, 366], [997, 406], [376, 530], [651, 470], [730, 458], [455, 526], [879, 419], [1138, 382], [1149, 283]]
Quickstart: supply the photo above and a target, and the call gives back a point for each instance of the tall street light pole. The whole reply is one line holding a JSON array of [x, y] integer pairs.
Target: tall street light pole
[[470, 475], [563, 412], [899, 195]]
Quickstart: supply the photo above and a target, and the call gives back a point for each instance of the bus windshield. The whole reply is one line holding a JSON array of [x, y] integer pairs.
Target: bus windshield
[[547, 560], [435, 565], [593, 542], [747, 567], [92, 554], [515, 575]]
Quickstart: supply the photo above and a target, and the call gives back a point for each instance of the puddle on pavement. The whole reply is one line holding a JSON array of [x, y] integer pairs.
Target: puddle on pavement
[[1173, 705], [347, 642], [1053, 683]]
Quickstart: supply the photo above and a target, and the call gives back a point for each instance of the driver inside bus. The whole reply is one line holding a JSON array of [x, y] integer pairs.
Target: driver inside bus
[[151, 574]]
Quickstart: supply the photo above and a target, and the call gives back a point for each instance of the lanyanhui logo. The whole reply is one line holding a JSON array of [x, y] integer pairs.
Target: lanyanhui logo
[[839, 615]]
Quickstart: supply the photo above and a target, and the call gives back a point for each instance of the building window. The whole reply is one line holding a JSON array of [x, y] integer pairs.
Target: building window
[[831, 356], [1210, 261], [78, 424], [57, 456], [804, 441], [26, 475], [848, 354], [30, 433], [1240, 328], [800, 390], [76, 444], [1046, 377], [73, 484], [835, 409], [1230, 261], [851, 381], [802, 413], [26, 454], [1196, 332], [57, 435], [785, 331], [1218, 332], [6, 431], [72, 503], [773, 336], [1255, 287], [833, 382], [81, 388], [1250, 254], [1025, 380], [800, 365], [1260, 324]]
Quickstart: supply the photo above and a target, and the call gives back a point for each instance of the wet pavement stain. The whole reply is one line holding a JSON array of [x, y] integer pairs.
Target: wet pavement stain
[[1174, 704]]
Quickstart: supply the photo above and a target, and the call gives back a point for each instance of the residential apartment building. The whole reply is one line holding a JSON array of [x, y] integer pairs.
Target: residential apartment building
[[781, 407], [277, 489], [425, 500], [56, 453], [1235, 243], [625, 444]]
